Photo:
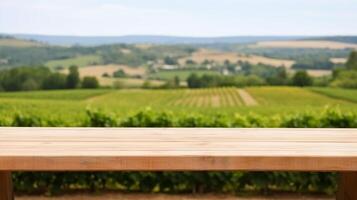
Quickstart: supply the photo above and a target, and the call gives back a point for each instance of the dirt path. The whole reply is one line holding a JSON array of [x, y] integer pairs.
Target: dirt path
[[171, 197], [247, 98]]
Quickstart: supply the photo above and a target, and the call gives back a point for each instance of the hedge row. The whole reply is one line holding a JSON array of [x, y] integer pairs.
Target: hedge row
[[328, 118], [178, 182]]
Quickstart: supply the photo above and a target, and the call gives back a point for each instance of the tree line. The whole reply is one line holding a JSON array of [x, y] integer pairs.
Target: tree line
[[300, 78], [42, 78], [257, 75], [346, 76]]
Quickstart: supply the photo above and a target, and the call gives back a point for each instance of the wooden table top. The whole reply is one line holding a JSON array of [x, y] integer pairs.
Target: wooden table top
[[151, 149]]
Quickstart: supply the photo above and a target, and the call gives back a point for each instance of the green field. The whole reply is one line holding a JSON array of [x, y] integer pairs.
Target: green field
[[338, 93], [72, 104], [79, 61], [182, 74]]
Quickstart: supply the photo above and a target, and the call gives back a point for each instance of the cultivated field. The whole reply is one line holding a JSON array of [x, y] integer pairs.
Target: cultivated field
[[319, 72], [128, 82], [338, 60], [80, 61], [347, 94], [19, 43], [220, 57], [71, 105], [305, 44], [98, 71]]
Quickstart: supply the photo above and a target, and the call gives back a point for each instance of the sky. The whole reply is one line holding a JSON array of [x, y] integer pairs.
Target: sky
[[203, 18]]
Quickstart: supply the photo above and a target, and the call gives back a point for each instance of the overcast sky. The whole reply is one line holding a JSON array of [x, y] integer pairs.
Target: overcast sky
[[179, 17]]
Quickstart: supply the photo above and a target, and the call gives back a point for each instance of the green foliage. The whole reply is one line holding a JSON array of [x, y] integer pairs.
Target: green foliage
[[173, 83], [21, 120], [302, 79], [38, 78], [55, 81], [23, 78], [32, 56], [183, 74], [314, 64], [205, 81], [119, 73], [280, 77], [170, 60], [352, 61], [100, 119], [345, 79], [339, 93], [300, 55], [90, 82], [73, 79], [80, 61]]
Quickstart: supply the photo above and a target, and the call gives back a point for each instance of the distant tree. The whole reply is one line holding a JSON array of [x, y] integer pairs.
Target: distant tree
[[352, 61], [170, 60], [90, 82], [23, 78], [206, 62], [280, 78], [147, 84], [345, 79], [73, 79], [227, 62], [302, 79], [59, 68], [190, 62], [30, 84], [119, 74], [105, 75], [177, 81], [172, 83], [193, 81], [54, 81]]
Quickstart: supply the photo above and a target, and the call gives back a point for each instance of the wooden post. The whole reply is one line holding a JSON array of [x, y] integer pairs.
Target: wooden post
[[347, 187], [6, 190]]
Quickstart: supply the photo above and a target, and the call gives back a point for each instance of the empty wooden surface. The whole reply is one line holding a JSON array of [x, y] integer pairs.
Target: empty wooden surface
[[83, 149]]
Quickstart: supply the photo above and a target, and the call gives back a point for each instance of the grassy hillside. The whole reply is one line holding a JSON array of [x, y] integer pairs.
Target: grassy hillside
[[79, 61], [11, 42], [338, 93]]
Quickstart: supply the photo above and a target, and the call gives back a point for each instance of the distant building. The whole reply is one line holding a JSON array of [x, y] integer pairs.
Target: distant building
[[4, 61], [238, 68], [169, 67], [225, 71]]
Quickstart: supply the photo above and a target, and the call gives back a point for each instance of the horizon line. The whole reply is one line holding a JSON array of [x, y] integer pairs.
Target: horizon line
[[183, 36]]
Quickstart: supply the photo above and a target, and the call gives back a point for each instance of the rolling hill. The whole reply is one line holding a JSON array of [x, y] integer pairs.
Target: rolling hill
[[148, 39]]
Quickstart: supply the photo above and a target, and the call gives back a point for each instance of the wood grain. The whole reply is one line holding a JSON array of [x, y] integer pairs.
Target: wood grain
[[347, 186], [6, 192], [81, 149]]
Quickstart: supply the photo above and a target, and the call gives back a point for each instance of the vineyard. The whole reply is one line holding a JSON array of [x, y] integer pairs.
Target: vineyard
[[71, 105]]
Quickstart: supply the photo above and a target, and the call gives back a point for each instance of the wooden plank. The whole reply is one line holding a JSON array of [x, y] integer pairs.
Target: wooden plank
[[6, 190], [176, 163], [347, 186], [178, 149]]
